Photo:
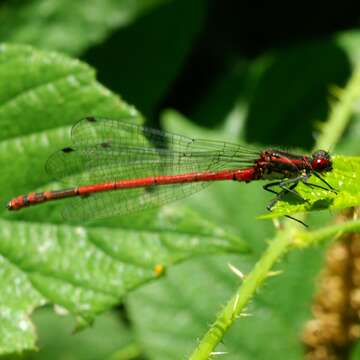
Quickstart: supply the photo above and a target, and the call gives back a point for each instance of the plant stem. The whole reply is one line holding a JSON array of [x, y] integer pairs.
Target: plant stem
[[332, 131], [278, 247], [340, 113], [235, 306], [307, 238]]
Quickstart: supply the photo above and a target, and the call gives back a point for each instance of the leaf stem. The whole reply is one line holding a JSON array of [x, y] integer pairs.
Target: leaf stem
[[307, 238]]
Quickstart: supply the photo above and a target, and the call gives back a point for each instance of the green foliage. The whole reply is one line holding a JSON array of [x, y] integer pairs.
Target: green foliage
[[279, 98], [60, 341], [84, 270], [163, 43], [278, 311], [69, 26], [298, 111], [344, 178]]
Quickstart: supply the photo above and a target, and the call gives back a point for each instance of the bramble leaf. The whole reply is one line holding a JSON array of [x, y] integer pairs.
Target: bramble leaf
[[65, 25], [344, 178], [83, 269]]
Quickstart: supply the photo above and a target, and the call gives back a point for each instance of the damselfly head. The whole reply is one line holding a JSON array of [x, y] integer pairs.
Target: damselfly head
[[321, 161]]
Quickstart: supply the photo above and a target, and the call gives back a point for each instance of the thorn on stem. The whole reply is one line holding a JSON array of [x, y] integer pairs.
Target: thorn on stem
[[245, 314], [236, 271], [274, 273], [217, 353]]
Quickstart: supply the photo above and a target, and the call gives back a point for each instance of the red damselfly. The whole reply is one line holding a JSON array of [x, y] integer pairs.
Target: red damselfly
[[119, 167]]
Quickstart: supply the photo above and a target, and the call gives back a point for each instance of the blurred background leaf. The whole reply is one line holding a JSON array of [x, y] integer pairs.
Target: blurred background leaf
[[143, 73], [273, 111], [278, 312], [60, 342], [261, 73], [65, 25], [279, 309]]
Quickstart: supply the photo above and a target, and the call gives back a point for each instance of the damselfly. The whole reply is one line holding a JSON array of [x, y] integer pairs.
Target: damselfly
[[117, 167]]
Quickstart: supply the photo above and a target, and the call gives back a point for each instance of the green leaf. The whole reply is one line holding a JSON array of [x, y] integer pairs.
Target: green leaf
[[271, 100], [89, 270], [348, 41], [234, 205], [65, 25], [283, 104], [44, 91], [143, 68], [205, 283], [356, 353], [277, 312], [270, 329], [227, 103], [107, 336], [344, 178], [85, 270]]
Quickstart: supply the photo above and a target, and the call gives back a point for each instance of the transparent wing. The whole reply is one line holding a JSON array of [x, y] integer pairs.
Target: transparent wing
[[107, 150], [120, 202]]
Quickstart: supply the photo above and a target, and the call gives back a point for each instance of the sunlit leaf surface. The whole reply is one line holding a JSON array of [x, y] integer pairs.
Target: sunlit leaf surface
[[85, 270], [344, 178]]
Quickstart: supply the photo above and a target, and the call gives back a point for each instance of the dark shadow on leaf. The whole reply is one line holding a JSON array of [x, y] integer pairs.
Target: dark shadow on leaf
[[293, 93], [321, 204], [291, 199]]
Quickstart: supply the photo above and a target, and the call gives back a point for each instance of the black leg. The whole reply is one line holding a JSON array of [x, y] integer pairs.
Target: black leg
[[310, 185], [297, 220], [280, 195], [294, 181], [270, 185], [285, 189], [284, 185], [330, 188]]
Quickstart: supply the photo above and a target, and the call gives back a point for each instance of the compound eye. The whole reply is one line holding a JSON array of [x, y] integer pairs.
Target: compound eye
[[321, 161], [321, 164]]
